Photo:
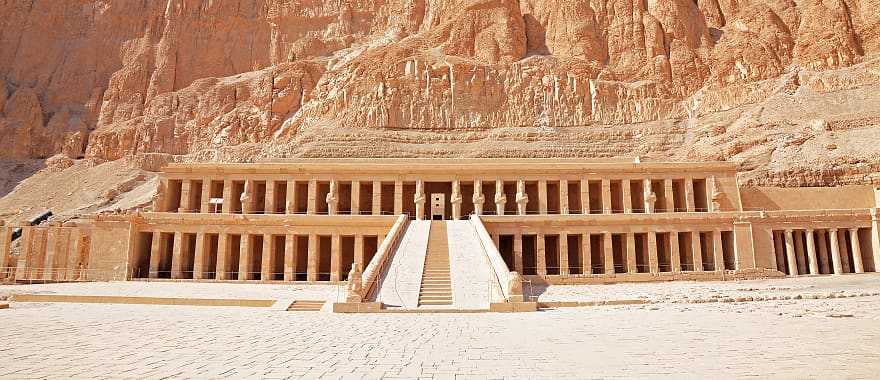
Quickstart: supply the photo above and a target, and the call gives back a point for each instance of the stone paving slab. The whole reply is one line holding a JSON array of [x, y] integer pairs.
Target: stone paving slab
[[688, 291], [183, 290], [837, 338]]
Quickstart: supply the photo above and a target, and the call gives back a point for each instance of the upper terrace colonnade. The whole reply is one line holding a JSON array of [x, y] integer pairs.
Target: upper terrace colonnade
[[458, 187]]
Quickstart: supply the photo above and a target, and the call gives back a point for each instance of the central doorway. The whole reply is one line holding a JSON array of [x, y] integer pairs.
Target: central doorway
[[438, 206]]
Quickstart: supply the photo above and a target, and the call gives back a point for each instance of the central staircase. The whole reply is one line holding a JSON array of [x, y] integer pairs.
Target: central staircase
[[436, 288]]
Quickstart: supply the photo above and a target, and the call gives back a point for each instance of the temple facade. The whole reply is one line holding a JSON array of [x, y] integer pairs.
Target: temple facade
[[539, 220]]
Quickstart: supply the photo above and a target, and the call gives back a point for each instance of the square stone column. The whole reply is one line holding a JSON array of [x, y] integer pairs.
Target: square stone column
[[185, 189], [606, 196], [689, 194], [585, 196], [269, 199], [627, 196], [669, 196], [743, 246], [199, 257], [335, 258], [227, 197], [631, 266], [790, 254], [377, 198], [51, 250], [313, 198], [312, 271], [205, 206], [245, 254], [858, 265], [223, 259], [811, 252], [267, 263], [541, 256], [653, 261], [563, 253], [156, 250], [32, 251], [360, 253], [290, 201], [398, 197], [697, 250], [718, 249], [875, 237], [290, 268], [355, 198], [674, 256], [563, 197], [586, 254], [608, 254], [835, 251], [518, 253], [843, 247], [5, 250], [542, 197]]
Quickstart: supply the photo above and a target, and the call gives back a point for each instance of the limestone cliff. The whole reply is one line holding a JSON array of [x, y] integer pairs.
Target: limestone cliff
[[788, 88]]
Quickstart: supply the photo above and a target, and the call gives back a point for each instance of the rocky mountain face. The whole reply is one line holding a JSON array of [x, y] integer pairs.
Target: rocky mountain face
[[788, 88]]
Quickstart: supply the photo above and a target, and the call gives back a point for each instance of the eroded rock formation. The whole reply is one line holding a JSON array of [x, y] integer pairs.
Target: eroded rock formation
[[786, 87]]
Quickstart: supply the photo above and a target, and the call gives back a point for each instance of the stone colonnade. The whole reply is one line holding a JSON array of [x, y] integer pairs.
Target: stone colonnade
[[222, 256], [800, 251], [48, 253], [481, 197], [596, 253]]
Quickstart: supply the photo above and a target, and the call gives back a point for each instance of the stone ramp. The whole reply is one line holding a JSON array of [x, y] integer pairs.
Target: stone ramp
[[469, 267], [436, 289], [401, 280]]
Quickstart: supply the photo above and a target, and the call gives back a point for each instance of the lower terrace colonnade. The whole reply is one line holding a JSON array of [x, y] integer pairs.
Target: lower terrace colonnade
[[253, 248], [597, 253], [799, 251]]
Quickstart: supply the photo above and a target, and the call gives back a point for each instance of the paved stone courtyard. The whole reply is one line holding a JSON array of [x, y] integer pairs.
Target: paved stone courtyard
[[796, 338]]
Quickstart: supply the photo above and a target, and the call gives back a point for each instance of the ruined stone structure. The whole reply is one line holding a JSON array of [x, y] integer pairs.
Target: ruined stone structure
[[541, 220]]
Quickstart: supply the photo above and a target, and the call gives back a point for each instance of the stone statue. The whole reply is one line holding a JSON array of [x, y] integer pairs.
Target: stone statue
[[717, 196], [652, 201], [355, 284], [478, 197], [332, 197], [456, 200], [521, 197], [245, 198], [419, 199], [500, 198], [515, 287]]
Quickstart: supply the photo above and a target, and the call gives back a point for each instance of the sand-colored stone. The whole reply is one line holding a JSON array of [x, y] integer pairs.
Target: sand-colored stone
[[787, 89]]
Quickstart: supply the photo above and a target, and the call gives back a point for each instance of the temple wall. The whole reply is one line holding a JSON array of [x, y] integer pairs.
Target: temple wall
[[51, 253], [807, 198], [108, 249]]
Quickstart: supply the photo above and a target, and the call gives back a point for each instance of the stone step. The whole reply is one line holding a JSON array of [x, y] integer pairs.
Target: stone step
[[432, 297], [435, 303], [306, 306]]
